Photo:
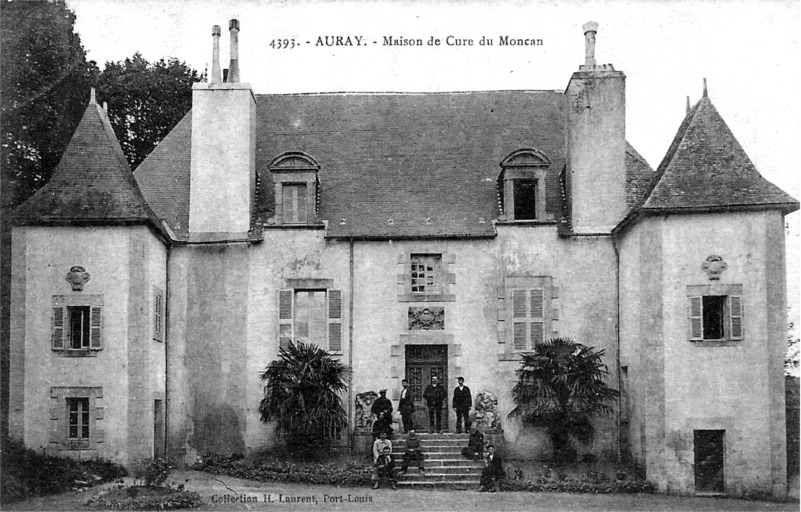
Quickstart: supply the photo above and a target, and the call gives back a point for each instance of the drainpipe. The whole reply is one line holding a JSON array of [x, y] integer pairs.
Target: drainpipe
[[617, 356], [350, 347], [166, 353]]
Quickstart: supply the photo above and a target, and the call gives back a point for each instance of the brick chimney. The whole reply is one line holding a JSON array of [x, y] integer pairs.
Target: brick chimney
[[596, 142], [223, 164]]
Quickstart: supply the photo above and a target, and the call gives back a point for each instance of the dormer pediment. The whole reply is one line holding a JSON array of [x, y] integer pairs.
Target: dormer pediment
[[293, 161], [526, 158]]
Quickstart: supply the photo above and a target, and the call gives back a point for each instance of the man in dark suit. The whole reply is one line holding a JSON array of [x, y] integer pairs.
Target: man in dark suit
[[435, 395], [493, 471], [406, 407], [462, 402], [382, 408]]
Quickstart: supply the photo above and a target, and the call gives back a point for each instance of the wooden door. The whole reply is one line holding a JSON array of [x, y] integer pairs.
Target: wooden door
[[422, 363], [709, 455]]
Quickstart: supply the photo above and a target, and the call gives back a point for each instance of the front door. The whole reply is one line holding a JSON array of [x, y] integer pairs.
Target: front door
[[422, 363]]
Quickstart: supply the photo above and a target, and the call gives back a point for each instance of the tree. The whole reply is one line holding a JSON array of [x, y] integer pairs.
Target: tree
[[792, 357], [302, 396], [145, 101], [560, 387], [45, 82]]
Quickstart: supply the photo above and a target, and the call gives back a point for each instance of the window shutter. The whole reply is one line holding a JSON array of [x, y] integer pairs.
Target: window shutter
[[736, 314], [696, 319], [519, 304], [537, 316], [96, 326], [519, 341], [335, 320], [285, 316], [58, 328], [519, 317]]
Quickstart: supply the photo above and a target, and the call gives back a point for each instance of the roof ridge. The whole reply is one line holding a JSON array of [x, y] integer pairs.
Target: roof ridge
[[410, 93]]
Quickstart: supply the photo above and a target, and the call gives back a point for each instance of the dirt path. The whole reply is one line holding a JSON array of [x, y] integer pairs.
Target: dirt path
[[226, 493]]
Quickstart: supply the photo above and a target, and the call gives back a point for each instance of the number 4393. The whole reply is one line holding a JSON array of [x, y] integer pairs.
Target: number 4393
[[282, 44]]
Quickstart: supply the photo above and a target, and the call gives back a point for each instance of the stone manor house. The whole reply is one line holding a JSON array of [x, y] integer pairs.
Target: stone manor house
[[411, 235]]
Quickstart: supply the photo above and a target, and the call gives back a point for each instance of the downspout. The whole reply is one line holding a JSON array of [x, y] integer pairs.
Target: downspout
[[350, 346], [166, 353], [617, 355]]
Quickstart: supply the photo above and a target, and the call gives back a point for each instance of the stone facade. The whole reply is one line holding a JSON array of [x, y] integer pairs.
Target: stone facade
[[448, 265]]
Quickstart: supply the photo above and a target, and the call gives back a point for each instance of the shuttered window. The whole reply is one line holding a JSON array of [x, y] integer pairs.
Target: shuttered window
[[528, 317], [715, 317], [77, 324], [310, 316], [158, 314]]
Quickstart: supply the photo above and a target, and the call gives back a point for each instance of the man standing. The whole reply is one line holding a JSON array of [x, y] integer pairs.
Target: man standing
[[382, 409], [462, 402], [435, 395], [406, 407]]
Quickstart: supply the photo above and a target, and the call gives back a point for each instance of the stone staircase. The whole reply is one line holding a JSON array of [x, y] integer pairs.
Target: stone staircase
[[444, 465]]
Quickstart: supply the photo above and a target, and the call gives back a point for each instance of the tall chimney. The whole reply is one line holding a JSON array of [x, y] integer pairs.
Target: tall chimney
[[233, 73], [215, 56], [596, 143], [590, 29]]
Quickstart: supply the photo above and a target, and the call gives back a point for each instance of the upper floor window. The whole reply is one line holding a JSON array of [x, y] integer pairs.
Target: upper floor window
[[715, 312], [527, 313], [296, 187], [521, 185], [158, 314], [426, 273], [311, 316], [295, 208], [77, 324]]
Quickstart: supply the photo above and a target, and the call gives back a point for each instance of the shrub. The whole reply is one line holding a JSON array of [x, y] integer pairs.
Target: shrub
[[145, 498], [153, 472], [28, 473]]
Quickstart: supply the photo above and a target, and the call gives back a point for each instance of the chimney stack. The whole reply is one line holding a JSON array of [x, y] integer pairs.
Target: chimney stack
[[705, 92], [233, 74], [215, 56], [590, 29]]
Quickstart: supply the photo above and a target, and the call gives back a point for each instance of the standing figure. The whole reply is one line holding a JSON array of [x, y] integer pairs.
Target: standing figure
[[413, 452], [462, 402], [435, 395], [382, 409], [493, 471], [406, 407]]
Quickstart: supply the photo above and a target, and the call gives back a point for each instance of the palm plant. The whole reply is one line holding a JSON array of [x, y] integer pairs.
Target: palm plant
[[302, 395], [560, 387]]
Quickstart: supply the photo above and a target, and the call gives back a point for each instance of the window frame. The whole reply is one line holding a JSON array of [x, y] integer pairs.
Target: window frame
[[437, 273], [529, 288], [524, 165], [332, 307], [91, 417], [733, 313], [61, 331]]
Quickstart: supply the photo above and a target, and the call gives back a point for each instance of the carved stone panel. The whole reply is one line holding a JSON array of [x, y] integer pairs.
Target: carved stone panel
[[427, 318]]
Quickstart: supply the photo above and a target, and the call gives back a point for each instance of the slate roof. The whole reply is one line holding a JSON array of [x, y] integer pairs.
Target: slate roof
[[706, 169], [91, 184], [405, 157], [639, 177]]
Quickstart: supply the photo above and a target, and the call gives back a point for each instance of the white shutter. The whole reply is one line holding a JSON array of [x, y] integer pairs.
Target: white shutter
[[519, 319], [736, 317], [96, 327], [696, 319], [537, 324], [58, 328]]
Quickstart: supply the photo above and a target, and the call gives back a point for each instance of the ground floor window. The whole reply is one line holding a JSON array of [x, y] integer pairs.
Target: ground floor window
[[78, 418]]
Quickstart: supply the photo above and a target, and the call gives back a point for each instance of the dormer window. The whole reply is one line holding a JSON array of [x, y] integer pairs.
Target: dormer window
[[521, 185], [296, 188]]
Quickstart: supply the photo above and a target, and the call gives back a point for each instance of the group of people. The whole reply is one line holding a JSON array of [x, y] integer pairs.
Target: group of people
[[434, 396]]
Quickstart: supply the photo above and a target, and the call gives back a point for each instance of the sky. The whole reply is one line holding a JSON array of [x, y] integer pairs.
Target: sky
[[747, 50]]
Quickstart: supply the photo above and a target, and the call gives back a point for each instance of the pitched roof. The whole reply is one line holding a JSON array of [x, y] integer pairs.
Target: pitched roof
[[429, 162], [164, 177], [405, 157], [639, 177], [705, 168], [92, 183]]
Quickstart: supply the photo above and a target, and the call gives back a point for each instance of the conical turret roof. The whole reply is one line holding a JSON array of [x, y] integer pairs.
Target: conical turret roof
[[705, 168], [92, 183]]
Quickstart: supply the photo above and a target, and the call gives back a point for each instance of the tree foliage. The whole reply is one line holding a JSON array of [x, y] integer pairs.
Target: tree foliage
[[560, 387], [145, 101], [45, 84], [792, 356], [302, 395]]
